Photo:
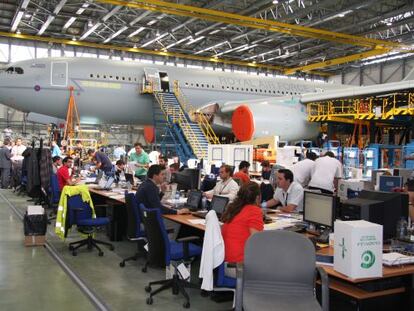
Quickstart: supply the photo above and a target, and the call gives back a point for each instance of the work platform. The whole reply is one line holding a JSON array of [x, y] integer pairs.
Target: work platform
[[350, 110]]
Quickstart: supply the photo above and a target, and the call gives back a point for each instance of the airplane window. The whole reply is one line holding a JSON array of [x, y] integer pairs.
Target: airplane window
[[117, 77], [104, 76], [110, 77], [261, 91], [283, 93], [278, 92], [228, 87], [98, 76], [208, 86], [237, 88], [242, 89], [129, 79], [256, 90], [186, 84], [135, 79], [274, 92], [91, 75], [123, 78], [212, 86], [251, 90], [196, 84], [202, 85], [192, 84], [232, 88], [222, 87]]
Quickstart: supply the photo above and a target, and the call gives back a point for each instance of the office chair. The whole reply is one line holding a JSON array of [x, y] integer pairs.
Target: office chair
[[134, 231], [213, 258], [54, 196], [80, 214], [162, 252], [287, 286]]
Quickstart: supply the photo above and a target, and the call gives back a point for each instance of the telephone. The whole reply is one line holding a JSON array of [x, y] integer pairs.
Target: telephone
[[324, 237]]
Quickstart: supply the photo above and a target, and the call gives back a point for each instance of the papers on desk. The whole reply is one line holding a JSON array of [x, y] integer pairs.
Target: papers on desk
[[197, 221], [280, 223], [176, 201], [90, 179], [395, 259]]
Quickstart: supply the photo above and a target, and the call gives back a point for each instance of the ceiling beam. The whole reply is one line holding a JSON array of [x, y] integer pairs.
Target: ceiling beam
[[251, 22], [19, 14], [149, 52], [51, 17]]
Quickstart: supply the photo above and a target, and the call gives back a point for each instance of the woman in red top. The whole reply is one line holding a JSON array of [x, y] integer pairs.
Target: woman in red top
[[241, 219]]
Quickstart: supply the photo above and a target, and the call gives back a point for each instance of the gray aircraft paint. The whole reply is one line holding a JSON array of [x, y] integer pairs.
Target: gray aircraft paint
[[115, 98]]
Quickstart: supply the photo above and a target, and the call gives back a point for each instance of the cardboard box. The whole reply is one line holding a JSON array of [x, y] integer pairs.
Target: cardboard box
[[34, 240], [358, 249]]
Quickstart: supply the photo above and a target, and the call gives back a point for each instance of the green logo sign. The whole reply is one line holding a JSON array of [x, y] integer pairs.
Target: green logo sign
[[368, 259], [342, 245]]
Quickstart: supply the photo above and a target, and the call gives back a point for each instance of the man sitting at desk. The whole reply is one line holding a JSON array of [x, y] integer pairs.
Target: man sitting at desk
[[288, 193], [119, 169], [226, 187], [63, 175], [149, 194]]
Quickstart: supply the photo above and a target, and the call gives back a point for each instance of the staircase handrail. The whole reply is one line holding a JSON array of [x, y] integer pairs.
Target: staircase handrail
[[203, 122]]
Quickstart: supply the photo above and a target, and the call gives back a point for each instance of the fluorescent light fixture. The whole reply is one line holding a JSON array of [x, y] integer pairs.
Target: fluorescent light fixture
[[90, 30], [73, 38], [134, 33], [152, 22], [153, 40], [275, 1], [69, 23], [214, 31], [17, 21], [18, 31], [195, 40], [178, 42], [135, 46], [116, 34]]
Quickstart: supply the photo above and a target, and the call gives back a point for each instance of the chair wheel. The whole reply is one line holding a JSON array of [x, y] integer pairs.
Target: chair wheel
[[122, 264], [71, 247], [148, 289], [149, 301], [186, 305], [204, 293], [144, 269], [100, 254], [111, 248], [74, 253]]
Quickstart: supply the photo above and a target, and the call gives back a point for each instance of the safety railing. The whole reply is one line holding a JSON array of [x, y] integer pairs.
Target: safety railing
[[176, 115], [385, 107], [199, 117]]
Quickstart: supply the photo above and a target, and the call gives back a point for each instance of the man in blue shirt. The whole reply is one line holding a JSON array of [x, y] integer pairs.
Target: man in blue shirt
[[102, 161], [149, 193]]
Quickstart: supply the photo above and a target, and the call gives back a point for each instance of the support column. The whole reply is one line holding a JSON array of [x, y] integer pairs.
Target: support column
[[372, 129]]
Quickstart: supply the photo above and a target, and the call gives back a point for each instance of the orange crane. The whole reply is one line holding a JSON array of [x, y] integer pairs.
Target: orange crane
[[72, 118]]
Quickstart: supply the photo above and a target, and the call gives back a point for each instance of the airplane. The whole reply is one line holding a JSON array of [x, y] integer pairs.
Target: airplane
[[108, 92]]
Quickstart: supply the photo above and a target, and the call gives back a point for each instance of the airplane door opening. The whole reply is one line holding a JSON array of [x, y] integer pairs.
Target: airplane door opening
[[165, 82], [59, 74]]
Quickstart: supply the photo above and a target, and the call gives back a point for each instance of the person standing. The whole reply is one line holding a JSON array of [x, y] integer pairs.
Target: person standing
[[302, 171], [5, 164], [325, 174], [55, 149], [142, 161], [101, 160]]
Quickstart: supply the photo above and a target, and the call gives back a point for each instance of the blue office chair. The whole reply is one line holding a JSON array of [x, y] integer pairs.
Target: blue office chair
[[162, 251], [80, 214], [54, 196], [135, 232]]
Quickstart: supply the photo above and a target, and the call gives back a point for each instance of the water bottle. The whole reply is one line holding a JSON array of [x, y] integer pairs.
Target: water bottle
[[204, 203], [402, 227]]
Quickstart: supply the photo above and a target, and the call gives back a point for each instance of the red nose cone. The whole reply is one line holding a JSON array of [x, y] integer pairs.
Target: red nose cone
[[149, 134], [242, 123]]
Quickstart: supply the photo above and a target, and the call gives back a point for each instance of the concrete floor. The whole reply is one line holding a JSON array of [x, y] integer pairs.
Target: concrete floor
[[119, 288]]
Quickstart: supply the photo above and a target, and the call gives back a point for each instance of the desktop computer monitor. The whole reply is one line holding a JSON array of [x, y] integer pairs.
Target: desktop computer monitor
[[188, 179], [319, 209], [394, 206], [214, 170], [388, 183]]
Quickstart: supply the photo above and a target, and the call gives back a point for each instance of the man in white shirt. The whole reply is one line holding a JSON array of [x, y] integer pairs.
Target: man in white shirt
[[17, 150], [226, 187], [325, 174], [288, 193], [302, 171]]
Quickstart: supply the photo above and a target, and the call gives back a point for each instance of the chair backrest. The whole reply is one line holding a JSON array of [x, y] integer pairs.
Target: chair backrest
[[159, 252], [134, 217], [76, 202], [287, 266], [54, 185]]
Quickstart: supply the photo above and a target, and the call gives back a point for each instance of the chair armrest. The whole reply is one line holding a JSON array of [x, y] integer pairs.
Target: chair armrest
[[239, 288], [325, 287], [170, 230], [186, 247]]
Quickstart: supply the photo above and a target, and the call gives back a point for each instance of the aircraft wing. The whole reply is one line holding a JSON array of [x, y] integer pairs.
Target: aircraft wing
[[358, 91]]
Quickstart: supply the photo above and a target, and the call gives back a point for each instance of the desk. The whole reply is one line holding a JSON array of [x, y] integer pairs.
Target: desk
[[339, 282]]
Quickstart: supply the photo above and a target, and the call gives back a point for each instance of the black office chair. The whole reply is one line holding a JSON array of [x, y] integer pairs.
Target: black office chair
[[135, 232], [281, 277], [162, 252], [80, 214]]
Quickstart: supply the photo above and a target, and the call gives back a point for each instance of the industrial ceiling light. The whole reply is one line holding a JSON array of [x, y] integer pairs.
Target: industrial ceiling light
[[18, 31], [90, 24], [135, 46], [73, 38], [275, 1]]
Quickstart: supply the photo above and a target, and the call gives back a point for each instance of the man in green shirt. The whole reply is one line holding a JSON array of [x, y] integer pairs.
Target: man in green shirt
[[142, 161]]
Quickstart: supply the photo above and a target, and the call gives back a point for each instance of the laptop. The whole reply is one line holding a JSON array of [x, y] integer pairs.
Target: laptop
[[218, 204], [129, 178], [193, 200], [97, 179], [106, 184]]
